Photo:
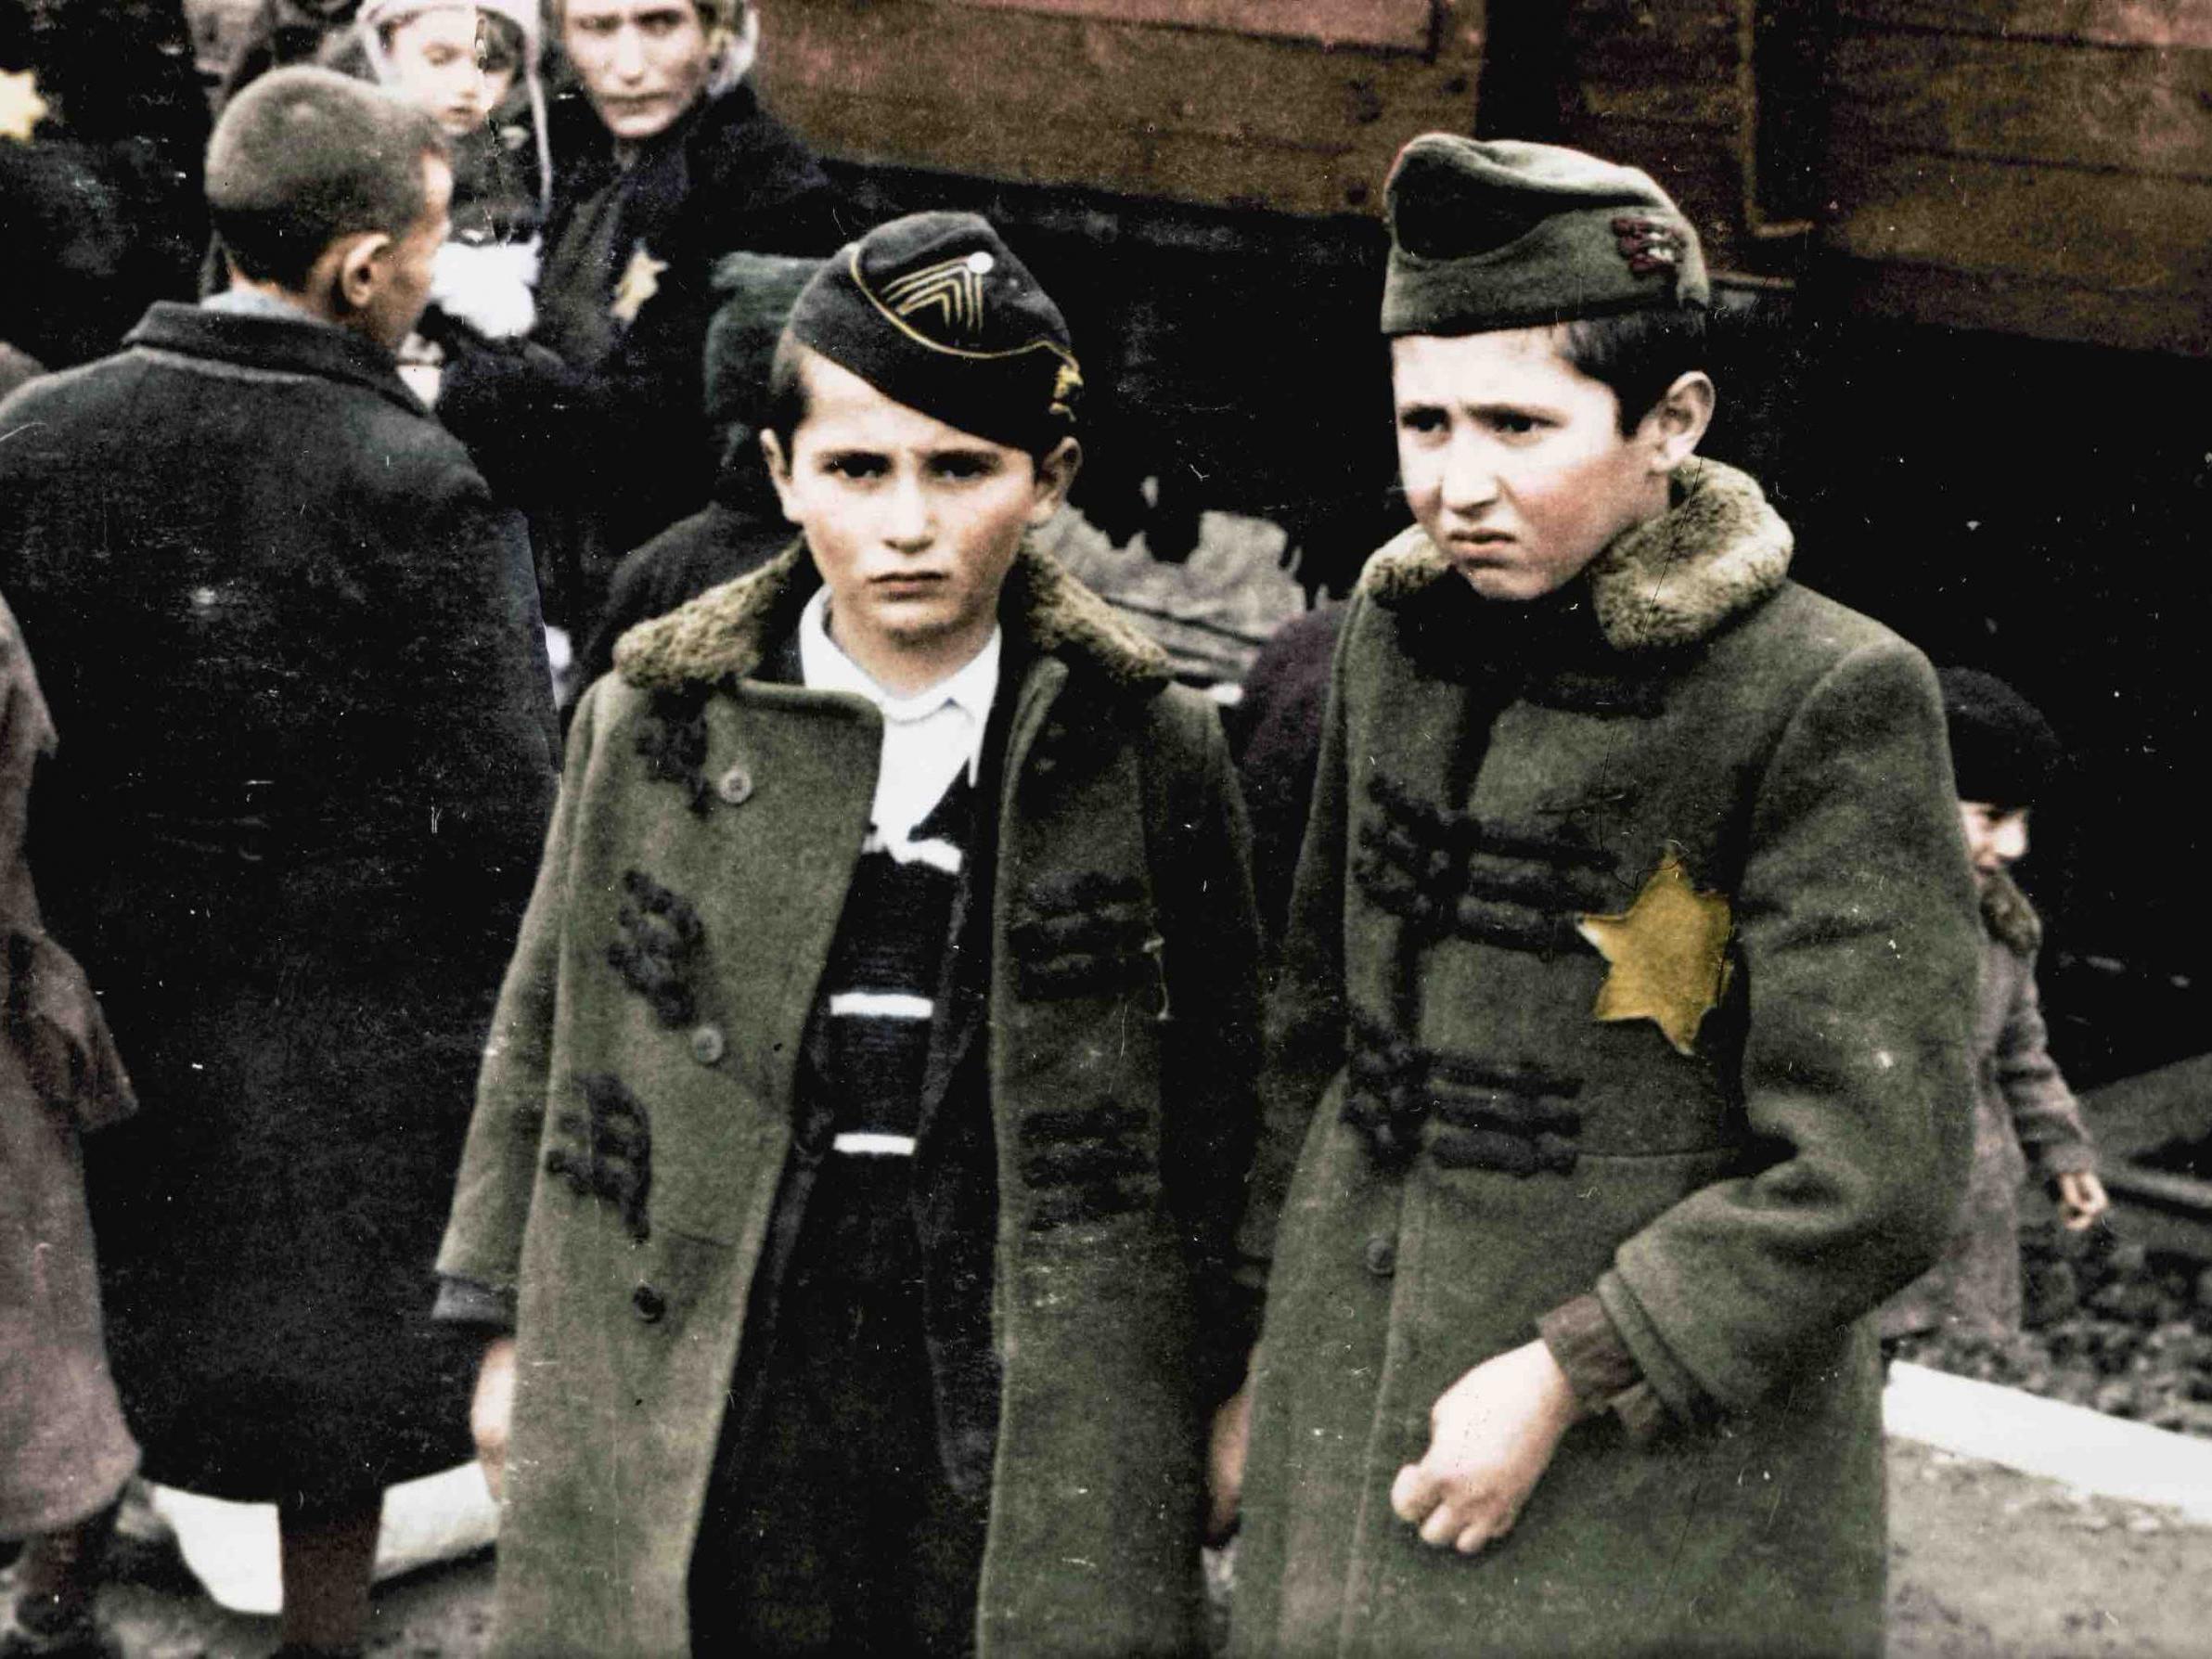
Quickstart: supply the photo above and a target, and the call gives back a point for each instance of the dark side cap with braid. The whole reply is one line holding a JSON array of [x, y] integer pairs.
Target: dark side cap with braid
[[935, 312], [2003, 752], [1499, 234]]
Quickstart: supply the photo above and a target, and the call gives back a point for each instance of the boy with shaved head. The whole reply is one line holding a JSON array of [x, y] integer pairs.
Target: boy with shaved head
[[869, 1105], [1618, 1069], [297, 652]]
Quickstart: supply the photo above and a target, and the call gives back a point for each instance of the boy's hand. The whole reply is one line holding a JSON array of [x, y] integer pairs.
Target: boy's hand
[[1225, 1463], [493, 1407], [2081, 1198], [1491, 1436]]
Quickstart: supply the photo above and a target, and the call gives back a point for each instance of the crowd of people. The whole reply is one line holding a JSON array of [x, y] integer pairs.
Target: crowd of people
[[829, 1118]]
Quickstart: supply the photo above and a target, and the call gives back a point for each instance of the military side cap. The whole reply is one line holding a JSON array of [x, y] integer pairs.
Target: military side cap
[[1499, 234], [935, 312]]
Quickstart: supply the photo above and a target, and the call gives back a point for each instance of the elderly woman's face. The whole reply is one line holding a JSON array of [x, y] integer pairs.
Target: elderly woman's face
[[644, 63]]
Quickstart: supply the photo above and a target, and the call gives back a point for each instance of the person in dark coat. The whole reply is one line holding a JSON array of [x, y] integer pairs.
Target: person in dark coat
[[1275, 735], [102, 126], [742, 527], [1616, 1070], [297, 650], [867, 1109], [2026, 1119], [666, 163]]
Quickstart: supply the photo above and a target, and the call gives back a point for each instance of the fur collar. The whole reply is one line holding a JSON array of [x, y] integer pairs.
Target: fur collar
[[728, 631], [1719, 550], [2010, 918]]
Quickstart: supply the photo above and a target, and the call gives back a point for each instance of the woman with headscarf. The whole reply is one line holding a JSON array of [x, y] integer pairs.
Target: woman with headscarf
[[665, 163]]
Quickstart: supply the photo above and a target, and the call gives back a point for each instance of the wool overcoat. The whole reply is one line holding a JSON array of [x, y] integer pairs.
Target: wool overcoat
[[64, 1451], [624, 1167], [1473, 1147], [2026, 1121], [297, 653]]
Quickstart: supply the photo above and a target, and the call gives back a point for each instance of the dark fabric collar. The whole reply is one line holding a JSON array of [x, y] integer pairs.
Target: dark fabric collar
[[275, 343], [745, 156]]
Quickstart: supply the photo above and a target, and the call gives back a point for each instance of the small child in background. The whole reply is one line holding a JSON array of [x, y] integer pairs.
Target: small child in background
[[474, 68], [2003, 755]]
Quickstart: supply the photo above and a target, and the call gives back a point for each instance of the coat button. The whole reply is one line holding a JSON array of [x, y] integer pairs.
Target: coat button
[[1382, 1256], [735, 786], [707, 1044], [649, 1303]]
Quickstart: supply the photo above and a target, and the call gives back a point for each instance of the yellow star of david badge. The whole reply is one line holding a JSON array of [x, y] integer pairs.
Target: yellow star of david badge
[[1670, 954], [21, 107], [640, 281]]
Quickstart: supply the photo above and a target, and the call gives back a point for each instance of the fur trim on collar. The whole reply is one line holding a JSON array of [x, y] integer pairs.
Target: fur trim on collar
[[2010, 918], [728, 631], [1719, 550]]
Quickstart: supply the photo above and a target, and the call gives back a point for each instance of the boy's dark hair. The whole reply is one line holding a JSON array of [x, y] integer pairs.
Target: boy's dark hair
[[1638, 354], [302, 156], [785, 405]]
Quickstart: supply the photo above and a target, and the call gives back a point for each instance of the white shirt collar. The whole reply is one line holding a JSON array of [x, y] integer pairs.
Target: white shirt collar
[[824, 666]]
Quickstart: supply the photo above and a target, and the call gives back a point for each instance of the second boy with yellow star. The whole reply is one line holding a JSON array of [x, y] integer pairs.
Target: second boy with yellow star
[[1618, 1070]]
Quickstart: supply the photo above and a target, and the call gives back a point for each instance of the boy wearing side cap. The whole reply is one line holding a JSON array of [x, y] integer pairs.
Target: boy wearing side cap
[[870, 1096], [1618, 1068]]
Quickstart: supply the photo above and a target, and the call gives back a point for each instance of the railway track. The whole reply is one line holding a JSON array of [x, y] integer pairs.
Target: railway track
[[2154, 1139]]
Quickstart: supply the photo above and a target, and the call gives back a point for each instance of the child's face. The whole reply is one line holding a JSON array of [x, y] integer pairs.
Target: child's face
[[434, 56], [1514, 459], [913, 524], [1996, 836]]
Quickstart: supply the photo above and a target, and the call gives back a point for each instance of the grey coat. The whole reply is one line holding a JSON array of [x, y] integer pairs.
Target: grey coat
[[1472, 1143], [2025, 1122], [628, 1151]]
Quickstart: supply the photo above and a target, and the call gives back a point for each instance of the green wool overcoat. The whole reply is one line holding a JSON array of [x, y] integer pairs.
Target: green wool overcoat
[[629, 1216], [1474, 1148]]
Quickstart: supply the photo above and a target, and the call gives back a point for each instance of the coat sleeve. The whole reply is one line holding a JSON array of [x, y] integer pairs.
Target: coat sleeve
[[1305, 1018], [491, 1207], [2045, 1114], [1858, 940], [1212, 973]]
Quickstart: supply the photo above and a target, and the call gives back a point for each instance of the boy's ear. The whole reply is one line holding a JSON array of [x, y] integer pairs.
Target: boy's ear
[[779, 472], [1055, 474], [1676, 424], [359, 269]]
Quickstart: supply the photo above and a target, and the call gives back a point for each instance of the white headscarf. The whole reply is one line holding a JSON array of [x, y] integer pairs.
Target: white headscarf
[[376, 16]]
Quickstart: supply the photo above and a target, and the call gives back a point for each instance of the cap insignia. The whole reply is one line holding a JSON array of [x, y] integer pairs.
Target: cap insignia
[[1649, 245], [954, 287], [1067, 380]]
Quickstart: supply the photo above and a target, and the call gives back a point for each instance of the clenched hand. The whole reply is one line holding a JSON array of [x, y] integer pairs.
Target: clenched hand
[[1491, 1436]]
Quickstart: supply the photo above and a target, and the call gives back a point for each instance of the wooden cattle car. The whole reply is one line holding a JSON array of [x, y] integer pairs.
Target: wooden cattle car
[[2040, 167], [1294, 105]]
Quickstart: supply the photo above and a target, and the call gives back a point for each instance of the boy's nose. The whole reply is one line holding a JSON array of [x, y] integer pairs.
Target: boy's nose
[[909, 524], [1470, 481], [2009, 840], [629, 54]]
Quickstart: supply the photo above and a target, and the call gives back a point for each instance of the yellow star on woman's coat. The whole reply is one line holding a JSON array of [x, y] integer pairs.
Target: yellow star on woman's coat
[[21, 107], [640, 281], [1669, 954]]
